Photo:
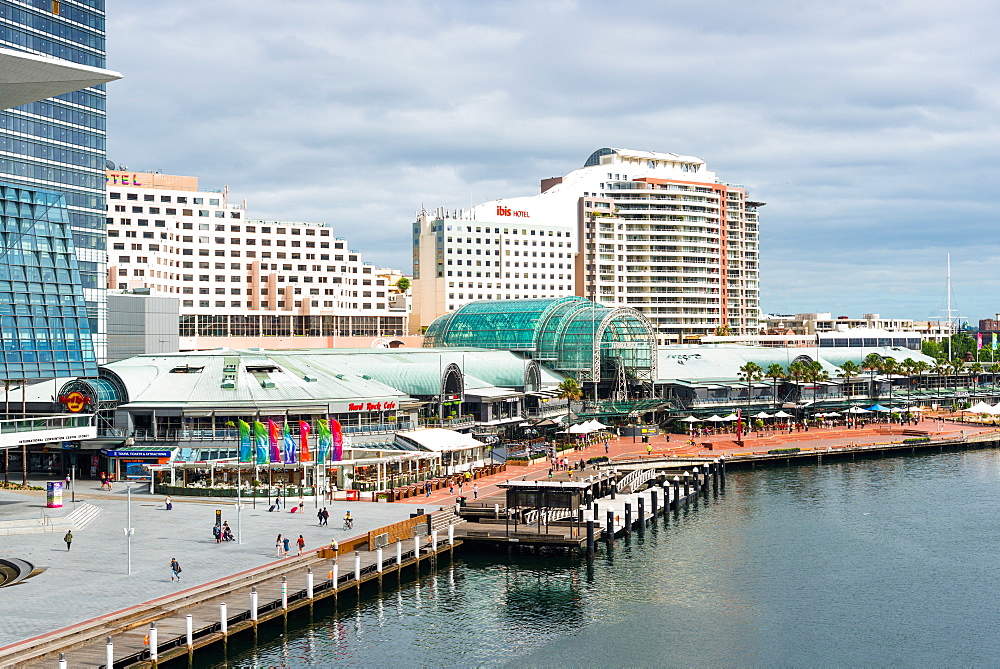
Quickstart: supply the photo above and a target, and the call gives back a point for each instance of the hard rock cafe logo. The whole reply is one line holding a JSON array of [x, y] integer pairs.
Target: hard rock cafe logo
[[75, 402]]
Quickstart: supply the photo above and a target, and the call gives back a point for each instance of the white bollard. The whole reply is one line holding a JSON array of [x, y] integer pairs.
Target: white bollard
[[434, 540], [62, 661], [189, 629], [399, 553], [109, 653], [253, 603], [152, 641], [416, 546], [451, 534], [223, 618], [357, 566], [284, 592], [336, 574], [378, 560], [309, 583]]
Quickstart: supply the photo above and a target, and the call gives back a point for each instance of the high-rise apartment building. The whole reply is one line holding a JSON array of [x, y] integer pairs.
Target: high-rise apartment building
[[657, 232], [240, 279], [58, 144]]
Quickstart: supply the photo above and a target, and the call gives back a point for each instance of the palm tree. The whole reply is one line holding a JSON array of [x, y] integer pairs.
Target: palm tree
[[872, 364], [907, 368], [816, 375], [750, 372], [775, 372], [889, 367], [994, 370], [570, 391], [797, 371], [848, 371], [939, 369]]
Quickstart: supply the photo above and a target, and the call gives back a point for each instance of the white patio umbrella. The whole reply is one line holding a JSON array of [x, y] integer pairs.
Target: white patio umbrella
[[858, 410], [833, 414], [916, 409], [716, 418], [782, 414], [598, 425], [980, 407], [731, 416], [994, 411], [690, 419], [762, 414]]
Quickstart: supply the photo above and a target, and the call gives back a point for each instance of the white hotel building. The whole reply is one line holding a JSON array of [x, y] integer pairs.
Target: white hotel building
[[657, 232], [243, 282]]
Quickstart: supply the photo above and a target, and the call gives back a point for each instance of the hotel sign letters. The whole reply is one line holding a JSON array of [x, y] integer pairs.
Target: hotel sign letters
[[122, 179], [506, 211]]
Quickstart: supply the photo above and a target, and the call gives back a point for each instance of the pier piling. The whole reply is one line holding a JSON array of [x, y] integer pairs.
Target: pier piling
[[284, 593], [628, 519], [109, 653], [652, 502], [309, 583], [189, 629], [153, 643], [642, 515], [253, 601], [609, 530], [223, 621], [676, 502]]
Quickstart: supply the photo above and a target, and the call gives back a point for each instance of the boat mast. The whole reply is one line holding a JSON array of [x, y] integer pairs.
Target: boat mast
[[949, 308]]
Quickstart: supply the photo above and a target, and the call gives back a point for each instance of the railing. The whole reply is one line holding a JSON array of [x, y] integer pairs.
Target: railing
[[447, 422], [547, 516], [45, 423], [632, 481]]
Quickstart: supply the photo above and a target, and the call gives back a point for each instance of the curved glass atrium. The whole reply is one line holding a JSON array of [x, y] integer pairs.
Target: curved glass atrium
[[572, 335]]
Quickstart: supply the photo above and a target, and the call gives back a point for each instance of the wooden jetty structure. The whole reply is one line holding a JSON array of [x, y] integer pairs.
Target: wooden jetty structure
[[177, 627]]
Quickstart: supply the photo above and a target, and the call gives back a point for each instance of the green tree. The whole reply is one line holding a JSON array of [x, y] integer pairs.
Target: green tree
[[775, 372], [403, 285], [815, 374], [890, 367], [848, 371], [750, 372], [570, 391], [796, 372], [872, 364], [723, 330]]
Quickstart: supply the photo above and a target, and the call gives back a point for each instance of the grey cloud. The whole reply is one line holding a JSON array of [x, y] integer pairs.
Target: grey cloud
[[870, 129]]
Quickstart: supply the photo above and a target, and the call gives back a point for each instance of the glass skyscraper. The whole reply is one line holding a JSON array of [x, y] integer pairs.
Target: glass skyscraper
[[43, 320], [55, 145]]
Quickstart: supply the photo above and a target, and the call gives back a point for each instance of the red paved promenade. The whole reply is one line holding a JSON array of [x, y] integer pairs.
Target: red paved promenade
[[679, 445]]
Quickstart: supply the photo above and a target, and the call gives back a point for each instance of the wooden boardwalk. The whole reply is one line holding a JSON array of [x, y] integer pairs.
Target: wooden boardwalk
[[279, 589]]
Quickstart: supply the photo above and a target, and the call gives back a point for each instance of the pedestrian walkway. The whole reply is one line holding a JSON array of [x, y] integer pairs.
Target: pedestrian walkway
[[91, 580]]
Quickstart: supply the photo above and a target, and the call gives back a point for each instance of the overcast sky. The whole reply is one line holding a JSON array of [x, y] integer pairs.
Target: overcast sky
[[869, 128]]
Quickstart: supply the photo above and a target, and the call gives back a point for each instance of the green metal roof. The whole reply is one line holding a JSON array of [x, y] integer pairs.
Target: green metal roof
[[572, 335]]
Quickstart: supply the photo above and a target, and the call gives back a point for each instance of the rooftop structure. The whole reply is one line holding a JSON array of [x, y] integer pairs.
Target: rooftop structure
[[572, 335], [655, 232]]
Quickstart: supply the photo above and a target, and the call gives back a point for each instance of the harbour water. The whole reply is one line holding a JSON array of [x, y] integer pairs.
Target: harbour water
[[877, 562]]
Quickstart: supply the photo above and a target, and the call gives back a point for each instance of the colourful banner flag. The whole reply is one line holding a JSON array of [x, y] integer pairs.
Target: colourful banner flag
[[304, 442], [979, 341], [260, 442], [289, 444], [324, 441], [246, 447], [338, 440], [272, 433], [994, 341]]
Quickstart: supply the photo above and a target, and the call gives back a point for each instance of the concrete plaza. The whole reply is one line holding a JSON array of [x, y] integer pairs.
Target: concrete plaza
[[91, 580]]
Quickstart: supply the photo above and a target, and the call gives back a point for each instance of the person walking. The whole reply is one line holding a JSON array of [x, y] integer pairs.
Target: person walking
[[285, 547], [175, 570], [168, 503], [606, 447], [326, 517], [475, 491], [277, 546], [319, 517], [277, 503], [301, 543], [68, 539]]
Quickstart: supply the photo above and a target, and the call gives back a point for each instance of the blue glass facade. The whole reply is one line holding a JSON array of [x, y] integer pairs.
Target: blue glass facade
[[58, 144], [43, 320]]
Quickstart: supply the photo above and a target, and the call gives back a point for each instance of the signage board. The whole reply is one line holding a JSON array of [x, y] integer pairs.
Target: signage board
[[138, 454], [53, 494]]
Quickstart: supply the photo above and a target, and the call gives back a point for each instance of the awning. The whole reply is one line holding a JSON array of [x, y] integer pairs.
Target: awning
[[436, 440]]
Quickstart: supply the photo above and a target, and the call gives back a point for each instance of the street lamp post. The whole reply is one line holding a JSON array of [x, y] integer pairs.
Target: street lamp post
[[128, 529]]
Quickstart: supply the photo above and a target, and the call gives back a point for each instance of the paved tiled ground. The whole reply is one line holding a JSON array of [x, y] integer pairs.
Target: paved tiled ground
[[91, 579]]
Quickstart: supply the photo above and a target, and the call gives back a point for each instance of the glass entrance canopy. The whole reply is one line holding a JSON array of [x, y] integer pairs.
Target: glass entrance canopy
[[572, 335]]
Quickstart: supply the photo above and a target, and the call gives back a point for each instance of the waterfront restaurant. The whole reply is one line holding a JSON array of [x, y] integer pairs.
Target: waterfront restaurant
[[190, 405]]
